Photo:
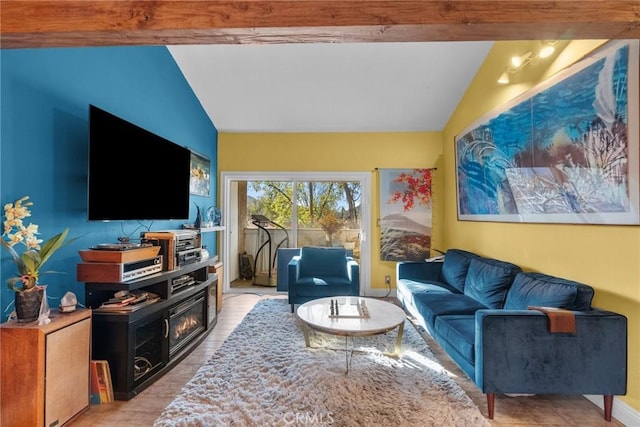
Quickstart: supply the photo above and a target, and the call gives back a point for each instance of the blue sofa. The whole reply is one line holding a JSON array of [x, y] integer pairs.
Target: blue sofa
[[478, 310], [320, 272]]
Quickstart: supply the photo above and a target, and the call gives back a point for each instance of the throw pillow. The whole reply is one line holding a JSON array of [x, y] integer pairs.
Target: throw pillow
[[488, 281], [323, 262], [455, 267], [547, 291]]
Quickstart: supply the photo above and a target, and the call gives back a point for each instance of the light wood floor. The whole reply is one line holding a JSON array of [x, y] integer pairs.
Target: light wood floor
[[143, 409]]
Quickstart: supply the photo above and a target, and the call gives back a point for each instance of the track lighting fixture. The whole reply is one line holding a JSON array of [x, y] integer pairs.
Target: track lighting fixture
[[547, 48], [518, 62]]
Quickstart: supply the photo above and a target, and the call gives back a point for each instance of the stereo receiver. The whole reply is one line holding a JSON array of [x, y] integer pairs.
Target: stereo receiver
[[182, 282], [188, 257], [111, 272]]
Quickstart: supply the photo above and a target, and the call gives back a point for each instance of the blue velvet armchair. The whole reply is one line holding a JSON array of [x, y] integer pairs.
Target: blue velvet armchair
[[320, 272]]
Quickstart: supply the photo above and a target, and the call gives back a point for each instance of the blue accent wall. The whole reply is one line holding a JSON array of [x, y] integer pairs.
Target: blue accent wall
[[44, 101]]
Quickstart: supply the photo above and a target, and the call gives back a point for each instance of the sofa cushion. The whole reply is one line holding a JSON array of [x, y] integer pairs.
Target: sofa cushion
[[488, 281], [323, 262], [432, 305], [407, 288], [315, 287], [455, 266], [459, 331], [548, 291], [417, 286]]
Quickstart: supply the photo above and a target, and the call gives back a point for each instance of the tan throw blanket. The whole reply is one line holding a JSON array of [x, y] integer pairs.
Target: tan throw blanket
[[560, 320]]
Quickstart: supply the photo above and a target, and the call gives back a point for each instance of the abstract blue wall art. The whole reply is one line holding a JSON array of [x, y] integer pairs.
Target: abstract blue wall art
[[200, 175], [564, 152]]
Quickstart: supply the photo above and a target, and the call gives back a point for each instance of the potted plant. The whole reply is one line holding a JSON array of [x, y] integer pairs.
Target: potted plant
[[28, 293], [330, 224]]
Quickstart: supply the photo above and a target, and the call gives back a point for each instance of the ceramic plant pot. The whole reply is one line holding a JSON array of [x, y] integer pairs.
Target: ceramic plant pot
[[28, 304]]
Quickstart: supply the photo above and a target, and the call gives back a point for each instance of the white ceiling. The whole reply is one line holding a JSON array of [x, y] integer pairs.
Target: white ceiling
[[351, 87]]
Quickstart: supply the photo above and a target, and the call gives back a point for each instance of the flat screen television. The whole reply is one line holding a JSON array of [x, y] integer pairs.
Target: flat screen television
[[134, 174]]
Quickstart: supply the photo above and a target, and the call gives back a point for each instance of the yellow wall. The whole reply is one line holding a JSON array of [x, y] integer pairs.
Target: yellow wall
[[605, 257], [348, 152]]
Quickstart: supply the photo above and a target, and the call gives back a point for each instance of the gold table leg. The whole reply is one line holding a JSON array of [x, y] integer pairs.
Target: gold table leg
[[398, 348], [305, 332], [349, 353], [346, 351]]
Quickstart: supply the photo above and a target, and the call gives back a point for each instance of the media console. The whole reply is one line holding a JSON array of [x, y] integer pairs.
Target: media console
[[143, 344]]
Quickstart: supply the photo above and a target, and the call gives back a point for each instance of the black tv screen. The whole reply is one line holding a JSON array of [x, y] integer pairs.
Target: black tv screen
[[134, 174]]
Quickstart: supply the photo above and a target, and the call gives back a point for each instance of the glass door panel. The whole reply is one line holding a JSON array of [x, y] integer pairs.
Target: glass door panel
[[328, 214], [267, 225]]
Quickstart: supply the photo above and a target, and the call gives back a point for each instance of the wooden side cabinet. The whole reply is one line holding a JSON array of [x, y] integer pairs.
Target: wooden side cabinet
[[217, 268], [44, 370]]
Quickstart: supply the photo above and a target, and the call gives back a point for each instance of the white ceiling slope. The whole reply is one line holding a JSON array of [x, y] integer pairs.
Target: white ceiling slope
[[351, 87]]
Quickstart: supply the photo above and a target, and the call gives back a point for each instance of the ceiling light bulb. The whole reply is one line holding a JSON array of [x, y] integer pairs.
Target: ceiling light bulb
[[504, 78], [516, 61], [546, 51]]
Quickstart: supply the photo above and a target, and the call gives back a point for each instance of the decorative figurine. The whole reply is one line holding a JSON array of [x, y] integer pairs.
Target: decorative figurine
[[214, 216], [198, 222]]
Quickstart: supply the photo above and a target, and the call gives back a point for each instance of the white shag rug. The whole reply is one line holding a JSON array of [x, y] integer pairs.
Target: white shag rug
[[264, 375]]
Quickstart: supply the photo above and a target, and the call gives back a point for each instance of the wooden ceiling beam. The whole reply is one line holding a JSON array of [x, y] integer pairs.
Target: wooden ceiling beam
[[37, 23]]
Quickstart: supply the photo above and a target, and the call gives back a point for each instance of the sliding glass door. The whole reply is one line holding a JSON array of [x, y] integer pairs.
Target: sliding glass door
[[266, 211]]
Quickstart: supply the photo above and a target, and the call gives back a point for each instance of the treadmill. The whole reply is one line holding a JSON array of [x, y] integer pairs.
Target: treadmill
[[265, 227]]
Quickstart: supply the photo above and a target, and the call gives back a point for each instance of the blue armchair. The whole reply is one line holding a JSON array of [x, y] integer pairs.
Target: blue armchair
[[322, 272]]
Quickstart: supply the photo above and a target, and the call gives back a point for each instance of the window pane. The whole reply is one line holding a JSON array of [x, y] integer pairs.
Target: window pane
[[268, 225], [271, 199], [328, 214]]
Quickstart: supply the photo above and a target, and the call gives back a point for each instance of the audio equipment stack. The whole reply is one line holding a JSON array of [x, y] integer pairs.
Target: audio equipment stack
[[178, 247], [118, 262]]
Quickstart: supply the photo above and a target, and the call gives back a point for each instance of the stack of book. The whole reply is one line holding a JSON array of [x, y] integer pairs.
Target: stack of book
[[101, 386], [129, 301]]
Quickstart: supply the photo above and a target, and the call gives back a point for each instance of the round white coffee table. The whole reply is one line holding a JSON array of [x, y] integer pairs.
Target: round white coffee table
[[382, 317]]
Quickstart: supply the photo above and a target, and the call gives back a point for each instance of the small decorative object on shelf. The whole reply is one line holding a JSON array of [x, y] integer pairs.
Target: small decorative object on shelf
[[198, 222], [28, 292], [68, 303], [214, 216], [204, 253]]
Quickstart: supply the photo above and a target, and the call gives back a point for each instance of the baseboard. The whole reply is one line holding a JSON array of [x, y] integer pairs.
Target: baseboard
[[380, 293], [621, 411]]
